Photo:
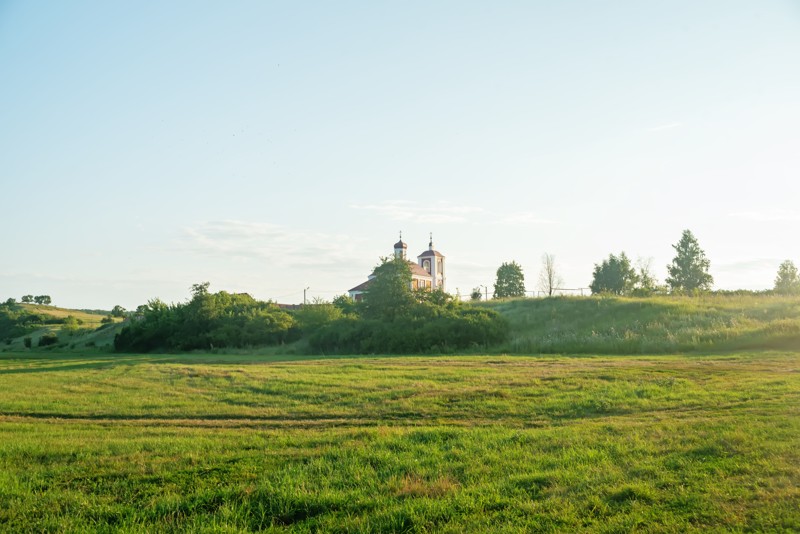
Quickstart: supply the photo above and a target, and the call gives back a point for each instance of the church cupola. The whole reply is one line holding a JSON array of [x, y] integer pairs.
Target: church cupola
[[400, 248], [432, 261]]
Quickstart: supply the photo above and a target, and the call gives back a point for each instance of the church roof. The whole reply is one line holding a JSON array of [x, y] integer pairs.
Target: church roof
[[400, 244], [431, 253], [417, 270], [362, 286]]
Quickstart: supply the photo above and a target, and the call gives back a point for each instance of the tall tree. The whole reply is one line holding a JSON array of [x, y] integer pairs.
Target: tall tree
[[549, 279], [389, 293], [510, 281], [689, 269], [42, 299], [614, 275], [787, 282], [27, 299]]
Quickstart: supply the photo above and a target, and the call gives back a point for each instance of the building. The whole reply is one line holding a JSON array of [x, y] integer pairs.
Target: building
[[427, 273]]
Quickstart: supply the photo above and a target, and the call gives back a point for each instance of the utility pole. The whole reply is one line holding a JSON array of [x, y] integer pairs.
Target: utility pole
[[304, 295], [486, 291]]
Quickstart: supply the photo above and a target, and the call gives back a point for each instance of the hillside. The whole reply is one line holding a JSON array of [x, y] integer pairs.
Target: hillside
[[73, 328], [650, 325]]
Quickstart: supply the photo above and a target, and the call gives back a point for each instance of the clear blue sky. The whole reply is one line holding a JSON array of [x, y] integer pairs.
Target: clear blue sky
[[271, 146]]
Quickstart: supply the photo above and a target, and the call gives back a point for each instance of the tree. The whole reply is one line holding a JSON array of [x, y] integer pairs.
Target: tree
[[787, 282], [11, 301], [689, 268], [476, 294], [42, 299], [200, 289], [647, 280], [389, 293], [510, 281], [614, 275], [118, 311], [27, 299], [549, 279]]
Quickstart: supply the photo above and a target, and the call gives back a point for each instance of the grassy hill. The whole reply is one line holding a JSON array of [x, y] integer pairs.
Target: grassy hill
[[651, 325], [74, 328]]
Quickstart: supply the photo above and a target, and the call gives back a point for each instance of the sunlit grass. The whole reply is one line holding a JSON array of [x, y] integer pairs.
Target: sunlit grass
[[451, 444], [653, 325]]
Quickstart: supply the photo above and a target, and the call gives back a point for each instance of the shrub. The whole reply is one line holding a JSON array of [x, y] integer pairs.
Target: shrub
[[48, 339], [27, 342]]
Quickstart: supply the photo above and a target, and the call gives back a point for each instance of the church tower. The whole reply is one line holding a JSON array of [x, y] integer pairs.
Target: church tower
[[400, 248], [433, 262]]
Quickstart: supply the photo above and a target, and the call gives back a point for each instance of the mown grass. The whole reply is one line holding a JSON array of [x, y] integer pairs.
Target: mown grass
[[652, 325], [427, 444]]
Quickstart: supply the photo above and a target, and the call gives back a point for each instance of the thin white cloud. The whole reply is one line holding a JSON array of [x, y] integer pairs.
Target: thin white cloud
[[748, 266], [768, 215], [439, 212], [667, 126], [267, 242], [526, 218], [443, 212]]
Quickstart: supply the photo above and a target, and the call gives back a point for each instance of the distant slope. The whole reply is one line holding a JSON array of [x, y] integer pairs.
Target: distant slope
[[89, 333], [651, 325]]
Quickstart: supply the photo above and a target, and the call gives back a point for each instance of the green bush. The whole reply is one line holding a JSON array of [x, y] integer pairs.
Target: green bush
[[48, 339], [208, 321]]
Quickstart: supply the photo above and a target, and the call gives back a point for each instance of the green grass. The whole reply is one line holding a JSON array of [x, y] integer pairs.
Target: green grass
[[653, 325], [87, 336], [230, 443]]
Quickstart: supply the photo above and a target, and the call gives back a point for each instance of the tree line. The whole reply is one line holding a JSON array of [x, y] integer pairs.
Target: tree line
[[391, 318], [687, 273], [30, 299]]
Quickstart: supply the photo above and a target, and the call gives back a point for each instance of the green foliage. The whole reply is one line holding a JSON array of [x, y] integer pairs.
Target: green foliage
[[432, 330], [476, 294], [42, 299], [313, 316], [787, 282], [108, 319], [208, 320], [118, 311], [16, 321], [47, 339], [688, 271], [28, 342], [11, 302], [389, 294], [510, 281], [394, 319], [345, 304], [614, 275], [27, 299]]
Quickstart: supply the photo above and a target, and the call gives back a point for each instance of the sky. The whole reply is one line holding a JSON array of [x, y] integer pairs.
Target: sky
[[269, 147]]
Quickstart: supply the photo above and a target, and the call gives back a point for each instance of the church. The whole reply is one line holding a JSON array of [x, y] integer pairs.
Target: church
[[426, 273]]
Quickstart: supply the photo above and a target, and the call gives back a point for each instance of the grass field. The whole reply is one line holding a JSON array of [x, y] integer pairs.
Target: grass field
[[651, 325], [402, 444]]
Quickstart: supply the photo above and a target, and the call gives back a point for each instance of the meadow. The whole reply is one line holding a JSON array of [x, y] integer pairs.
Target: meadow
[[236, 443]]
